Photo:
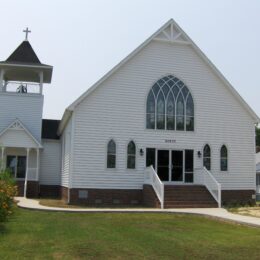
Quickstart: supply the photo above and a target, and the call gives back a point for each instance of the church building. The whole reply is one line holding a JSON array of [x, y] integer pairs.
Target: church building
[[163, 128]]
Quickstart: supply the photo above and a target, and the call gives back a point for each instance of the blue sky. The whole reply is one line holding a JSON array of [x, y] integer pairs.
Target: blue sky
[[84, 39]]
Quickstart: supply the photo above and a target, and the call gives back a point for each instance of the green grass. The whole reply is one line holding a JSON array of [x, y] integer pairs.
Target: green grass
[[56, 235]]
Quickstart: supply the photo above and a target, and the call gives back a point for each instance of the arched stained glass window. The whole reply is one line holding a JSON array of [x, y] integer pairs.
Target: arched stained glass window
[[224, 158], [207, 157], [111, 154], [150, 115], [170, 106], [160, 118], [131, 154]]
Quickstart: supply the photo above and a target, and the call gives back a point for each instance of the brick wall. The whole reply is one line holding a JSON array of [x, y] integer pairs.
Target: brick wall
[[149, 197], [106, 197], [50, 191], [32, 189], [237, 196]]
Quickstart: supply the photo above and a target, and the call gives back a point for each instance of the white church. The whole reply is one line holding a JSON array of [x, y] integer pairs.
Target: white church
[[163, 128]]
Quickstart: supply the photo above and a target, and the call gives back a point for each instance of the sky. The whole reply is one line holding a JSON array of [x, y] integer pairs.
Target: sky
[[84, 39]]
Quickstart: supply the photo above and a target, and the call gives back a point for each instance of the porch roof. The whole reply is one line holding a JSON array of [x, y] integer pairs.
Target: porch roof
[[17, 135]]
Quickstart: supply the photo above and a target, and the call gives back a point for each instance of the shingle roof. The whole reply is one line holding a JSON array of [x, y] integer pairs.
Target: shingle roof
[[24, 53], [50, 128]]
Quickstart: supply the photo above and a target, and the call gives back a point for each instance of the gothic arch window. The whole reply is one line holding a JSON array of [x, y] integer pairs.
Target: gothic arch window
[[131, 155], [111, 154], [223, 158], [170, 106], [207, 157]]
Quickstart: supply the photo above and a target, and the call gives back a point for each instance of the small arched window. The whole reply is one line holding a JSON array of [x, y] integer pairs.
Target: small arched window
[[170, 106], [207, 157], [223, 158], [111, 154], [131, 155]]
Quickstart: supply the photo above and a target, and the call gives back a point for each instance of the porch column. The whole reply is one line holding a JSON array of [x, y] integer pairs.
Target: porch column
[[26, 172], [38, 163], [2, 158]]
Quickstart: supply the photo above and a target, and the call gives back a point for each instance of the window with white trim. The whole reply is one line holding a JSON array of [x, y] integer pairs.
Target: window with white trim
[[131, 155], [170, 106], [223, 158], [207, 157], [111, 154]]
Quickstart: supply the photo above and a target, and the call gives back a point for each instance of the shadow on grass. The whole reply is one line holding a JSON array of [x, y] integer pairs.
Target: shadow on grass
[[3, 229]]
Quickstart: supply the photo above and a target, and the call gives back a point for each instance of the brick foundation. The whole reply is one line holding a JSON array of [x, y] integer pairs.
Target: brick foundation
[[149, 197], [237, 196], [32, 189], [50, 191], [64, 193], [106, 197]]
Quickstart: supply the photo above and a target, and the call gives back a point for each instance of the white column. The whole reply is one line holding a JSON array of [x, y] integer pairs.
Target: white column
[[2, 72], [41, 81], [2, 158], [26, 173], [38, 163]]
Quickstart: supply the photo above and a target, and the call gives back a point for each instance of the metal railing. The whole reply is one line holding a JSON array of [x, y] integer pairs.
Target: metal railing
[[22, 88], [213, 186], [151, 177]]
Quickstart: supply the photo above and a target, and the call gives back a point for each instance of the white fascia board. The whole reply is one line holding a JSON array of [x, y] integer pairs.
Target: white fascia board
[[197, 50]]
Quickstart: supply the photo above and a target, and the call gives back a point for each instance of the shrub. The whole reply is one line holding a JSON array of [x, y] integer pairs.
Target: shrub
[[8, 190]]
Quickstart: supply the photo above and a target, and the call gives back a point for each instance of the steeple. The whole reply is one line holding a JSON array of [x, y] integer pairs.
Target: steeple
[[24, 67]]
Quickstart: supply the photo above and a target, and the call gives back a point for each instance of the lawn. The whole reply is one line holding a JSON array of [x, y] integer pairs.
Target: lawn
[[56, 235]]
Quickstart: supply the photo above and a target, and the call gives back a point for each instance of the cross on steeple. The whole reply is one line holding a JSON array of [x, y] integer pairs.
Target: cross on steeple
[[27, 31]]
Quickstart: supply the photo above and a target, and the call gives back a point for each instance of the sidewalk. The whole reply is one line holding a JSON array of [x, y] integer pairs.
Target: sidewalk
[[218, 213]]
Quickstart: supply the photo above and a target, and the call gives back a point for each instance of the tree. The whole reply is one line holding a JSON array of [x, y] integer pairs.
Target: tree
[[257, 136]]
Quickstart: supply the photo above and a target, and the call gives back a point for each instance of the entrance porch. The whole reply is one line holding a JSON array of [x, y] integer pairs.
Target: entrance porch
[[20, 154]]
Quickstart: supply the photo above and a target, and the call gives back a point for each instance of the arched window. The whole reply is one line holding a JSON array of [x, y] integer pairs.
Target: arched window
[[207, 157], [131, 152], [111, 154], [170, 106], [223, 158]]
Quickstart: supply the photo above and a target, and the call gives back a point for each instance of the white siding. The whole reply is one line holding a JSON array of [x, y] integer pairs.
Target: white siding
[[50, 162], [66, 155], [17, 138], [26, 107], [117, 109]]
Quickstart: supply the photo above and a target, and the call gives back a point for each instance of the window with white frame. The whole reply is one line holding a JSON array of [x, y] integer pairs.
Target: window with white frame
[[170, 106], [16, 165], [207, 157], [111, 154], [223, 158], [131, 155]]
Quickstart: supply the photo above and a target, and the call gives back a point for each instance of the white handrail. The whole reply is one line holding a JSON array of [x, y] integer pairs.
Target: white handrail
[[213, 186], [151, 177]]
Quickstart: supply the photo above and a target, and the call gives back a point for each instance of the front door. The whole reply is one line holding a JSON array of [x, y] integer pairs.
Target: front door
[[177, 166], [163, 164]]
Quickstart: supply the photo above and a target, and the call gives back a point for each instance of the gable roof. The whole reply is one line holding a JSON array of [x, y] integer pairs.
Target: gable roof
[[50, 129], [18, 125], [172, 33]]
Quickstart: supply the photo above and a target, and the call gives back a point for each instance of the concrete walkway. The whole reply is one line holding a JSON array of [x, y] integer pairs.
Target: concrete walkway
[[218, 213]]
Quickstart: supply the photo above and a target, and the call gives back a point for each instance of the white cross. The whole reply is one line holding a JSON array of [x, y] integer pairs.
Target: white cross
[[26, 33]]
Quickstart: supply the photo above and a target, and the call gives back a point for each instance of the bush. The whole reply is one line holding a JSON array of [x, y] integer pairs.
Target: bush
[[8, 190]]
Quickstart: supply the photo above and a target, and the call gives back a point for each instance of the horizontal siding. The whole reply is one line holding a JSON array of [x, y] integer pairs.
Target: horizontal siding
[[27, 108], [17, 138], [50, 162], [66, 155], [117, 110]]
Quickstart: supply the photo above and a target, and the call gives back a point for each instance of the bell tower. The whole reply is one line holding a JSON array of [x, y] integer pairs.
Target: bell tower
[[22, 76]]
